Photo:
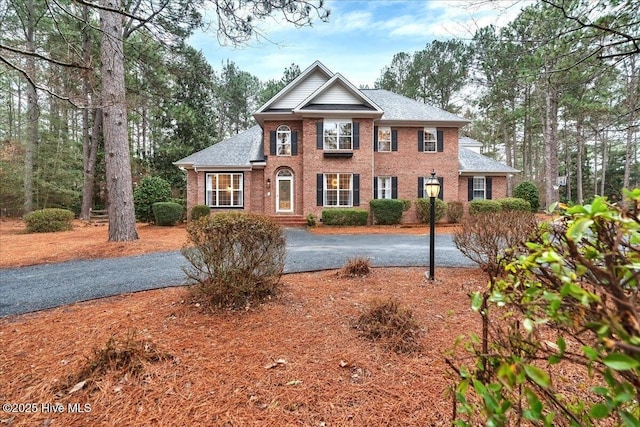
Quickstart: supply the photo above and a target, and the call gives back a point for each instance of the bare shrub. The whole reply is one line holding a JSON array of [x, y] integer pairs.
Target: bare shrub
[[356, 267], [387, 322], [236, 258]]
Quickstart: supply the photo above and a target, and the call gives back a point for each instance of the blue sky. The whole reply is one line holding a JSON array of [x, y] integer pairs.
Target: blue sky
[[360, 38]]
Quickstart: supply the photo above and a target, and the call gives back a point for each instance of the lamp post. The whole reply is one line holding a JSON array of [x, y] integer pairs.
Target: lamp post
[[432, 189]]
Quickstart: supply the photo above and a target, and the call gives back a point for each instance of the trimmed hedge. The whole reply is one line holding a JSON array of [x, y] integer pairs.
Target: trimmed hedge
[[49, 220], [527, 190], [150, 190], [484, 206], [510, 204], [455, 211], [199, 211], [345, 217], [167, 213], [386, 211], [423, 210]]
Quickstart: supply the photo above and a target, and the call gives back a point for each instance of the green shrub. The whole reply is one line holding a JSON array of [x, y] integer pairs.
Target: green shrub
[[423, 210], [167, 213], [527, 190], [455, 211], [311, 220], [406, 204], [386, 211], [484, 206], [235, 258], [345, 217], [150, 190], [509, 204], [198, 211], [49, 220]]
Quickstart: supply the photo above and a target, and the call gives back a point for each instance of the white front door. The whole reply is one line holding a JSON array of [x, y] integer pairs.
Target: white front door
[[284, 193]]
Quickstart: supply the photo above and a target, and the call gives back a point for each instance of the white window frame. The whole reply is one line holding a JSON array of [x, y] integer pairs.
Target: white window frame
[[236, 194], [283, 141], [430, 140], [387, 140], [341, 137], [332, 183], [384, 187], [479, 186]]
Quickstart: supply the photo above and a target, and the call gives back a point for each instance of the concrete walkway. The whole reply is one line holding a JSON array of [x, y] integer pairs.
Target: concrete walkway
[[39, 287]]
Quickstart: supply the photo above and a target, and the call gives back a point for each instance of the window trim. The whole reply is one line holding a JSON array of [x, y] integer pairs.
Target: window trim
[[239, 190], [381, 187], [426, 142], [326, 189], [385, 128], [283, 130], [338, 136]]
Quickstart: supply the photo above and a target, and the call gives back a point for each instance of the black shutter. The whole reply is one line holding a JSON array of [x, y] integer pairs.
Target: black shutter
[[420, 187], [319, 135], [421, 141], [319, 190], [441, 194], [488, 184], [375, 187], [394, 187], [375, 138], [356, 189], [394, 140], [356, 135], [294, 143], [470, 189], [440, 141], [272, 142]]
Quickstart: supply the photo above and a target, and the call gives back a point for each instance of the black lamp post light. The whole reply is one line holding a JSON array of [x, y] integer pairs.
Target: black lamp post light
[[432, 189]]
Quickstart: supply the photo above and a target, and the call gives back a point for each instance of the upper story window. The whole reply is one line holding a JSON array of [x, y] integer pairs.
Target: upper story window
[[283, 141], [338, 135], [384, 138], [224, 190], [430, 140]]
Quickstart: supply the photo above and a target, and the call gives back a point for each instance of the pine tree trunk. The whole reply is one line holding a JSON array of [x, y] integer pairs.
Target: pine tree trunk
[[551, 143], [122, 220], [33, 113], [580, 156]]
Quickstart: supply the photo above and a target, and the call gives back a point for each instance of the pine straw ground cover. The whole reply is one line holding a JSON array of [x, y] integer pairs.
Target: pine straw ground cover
[[296, 360]]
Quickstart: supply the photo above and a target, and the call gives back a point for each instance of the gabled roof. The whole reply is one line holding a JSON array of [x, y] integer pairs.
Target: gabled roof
[[399, 109], [470, 162], [238, 152]]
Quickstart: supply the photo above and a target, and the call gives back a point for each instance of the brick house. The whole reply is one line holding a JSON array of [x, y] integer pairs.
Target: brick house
[[322, 143]]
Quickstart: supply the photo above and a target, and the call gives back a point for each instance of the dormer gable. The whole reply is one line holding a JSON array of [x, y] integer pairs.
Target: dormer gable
[[337, 95]]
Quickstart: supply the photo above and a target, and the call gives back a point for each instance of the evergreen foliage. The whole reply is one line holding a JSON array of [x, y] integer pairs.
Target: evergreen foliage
[[528, 191], [476, 207], [345, 217], [386, 211], [423, 210], [199, 211], [49, 220], [150, 190], [167, 213]]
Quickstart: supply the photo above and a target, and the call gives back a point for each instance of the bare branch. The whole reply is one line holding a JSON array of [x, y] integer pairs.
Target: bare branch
[[44, 58]]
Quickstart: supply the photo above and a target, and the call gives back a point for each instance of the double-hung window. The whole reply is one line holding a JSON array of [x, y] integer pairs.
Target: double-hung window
[[338, 189], [338, 135], [384, 187], [430, 140], [384, 138], [479, 188], [224, 190], [283, 141]]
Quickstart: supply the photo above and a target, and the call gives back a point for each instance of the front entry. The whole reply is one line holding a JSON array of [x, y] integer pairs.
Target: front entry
[[284, 191]]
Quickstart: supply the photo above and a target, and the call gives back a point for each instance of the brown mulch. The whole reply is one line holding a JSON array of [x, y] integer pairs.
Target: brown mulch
[[296, 360]]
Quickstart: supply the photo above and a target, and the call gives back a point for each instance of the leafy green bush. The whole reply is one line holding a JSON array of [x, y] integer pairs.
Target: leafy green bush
[[198, 211], [529, 191], [235, 258], [345, 217], [423, 210], [509, 204], [150, 190], [311, 220], [568, 303], [406, 204], [167, 213], [455, 211], [49, 220], [386, 211], [484, 206]]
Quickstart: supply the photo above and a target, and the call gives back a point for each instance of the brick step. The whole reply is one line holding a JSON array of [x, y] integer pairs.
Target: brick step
[[290, 220]]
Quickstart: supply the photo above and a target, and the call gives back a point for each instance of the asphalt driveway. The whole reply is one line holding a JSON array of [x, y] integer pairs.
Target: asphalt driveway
[[39, 287]]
